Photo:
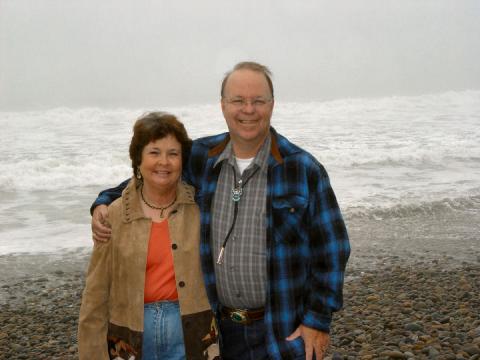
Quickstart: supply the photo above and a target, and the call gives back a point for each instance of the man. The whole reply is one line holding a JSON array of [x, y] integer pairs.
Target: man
[[273, 242]]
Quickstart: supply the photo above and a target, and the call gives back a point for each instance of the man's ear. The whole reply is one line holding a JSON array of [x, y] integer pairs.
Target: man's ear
[[222, 106]]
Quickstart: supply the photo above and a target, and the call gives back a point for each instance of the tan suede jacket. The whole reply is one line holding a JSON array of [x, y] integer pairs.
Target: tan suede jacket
[[111, 314]]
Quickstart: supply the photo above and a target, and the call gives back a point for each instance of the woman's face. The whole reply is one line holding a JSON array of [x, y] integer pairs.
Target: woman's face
[[161, 165]]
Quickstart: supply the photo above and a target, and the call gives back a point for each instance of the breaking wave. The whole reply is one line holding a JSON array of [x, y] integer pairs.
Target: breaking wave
[[436, 208]]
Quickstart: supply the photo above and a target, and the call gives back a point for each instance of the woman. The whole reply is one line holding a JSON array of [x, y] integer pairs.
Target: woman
[[144, 296]]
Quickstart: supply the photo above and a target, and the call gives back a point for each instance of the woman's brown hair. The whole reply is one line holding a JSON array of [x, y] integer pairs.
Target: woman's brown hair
[[153, 126]]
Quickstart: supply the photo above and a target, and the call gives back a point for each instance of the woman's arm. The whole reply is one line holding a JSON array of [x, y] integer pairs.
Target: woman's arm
[[93, 321]]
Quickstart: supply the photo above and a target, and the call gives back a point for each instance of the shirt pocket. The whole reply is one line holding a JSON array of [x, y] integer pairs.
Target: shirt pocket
[[288, 214]]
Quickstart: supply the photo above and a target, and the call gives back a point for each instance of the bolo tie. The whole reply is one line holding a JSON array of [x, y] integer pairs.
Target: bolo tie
[[237, 192]]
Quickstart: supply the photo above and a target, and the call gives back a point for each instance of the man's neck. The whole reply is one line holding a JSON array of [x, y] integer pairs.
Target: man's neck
[[246, 150]]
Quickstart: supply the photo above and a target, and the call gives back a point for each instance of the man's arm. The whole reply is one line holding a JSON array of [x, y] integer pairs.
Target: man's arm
[[106, 197], [330, 249], [100, 228]]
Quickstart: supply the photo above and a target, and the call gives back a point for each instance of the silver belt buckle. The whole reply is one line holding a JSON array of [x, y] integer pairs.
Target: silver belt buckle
[[239, 317]]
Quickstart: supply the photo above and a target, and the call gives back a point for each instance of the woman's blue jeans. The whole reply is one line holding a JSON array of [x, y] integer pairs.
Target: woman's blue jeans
[[162, 332]]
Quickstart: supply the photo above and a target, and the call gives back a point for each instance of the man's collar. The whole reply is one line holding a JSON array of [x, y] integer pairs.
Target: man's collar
[[217, 149], [274, 147], [226, 154], [260, 159]]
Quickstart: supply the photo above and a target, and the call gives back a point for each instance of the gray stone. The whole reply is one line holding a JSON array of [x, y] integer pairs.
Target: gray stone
[[433, 353], [414, 327], [394, 354], [471, 349]]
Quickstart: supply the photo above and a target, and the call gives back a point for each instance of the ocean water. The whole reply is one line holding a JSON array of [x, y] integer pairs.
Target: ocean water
[[388, 158]]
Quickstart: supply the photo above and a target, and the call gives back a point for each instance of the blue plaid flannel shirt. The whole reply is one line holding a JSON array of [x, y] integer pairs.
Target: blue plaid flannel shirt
[[307, 240]]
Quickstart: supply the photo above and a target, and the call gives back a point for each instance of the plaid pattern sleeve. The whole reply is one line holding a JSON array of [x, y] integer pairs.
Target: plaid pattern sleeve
[[330, 249], [106, 197]]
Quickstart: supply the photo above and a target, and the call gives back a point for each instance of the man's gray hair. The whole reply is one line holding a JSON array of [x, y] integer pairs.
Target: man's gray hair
[[253, 66]]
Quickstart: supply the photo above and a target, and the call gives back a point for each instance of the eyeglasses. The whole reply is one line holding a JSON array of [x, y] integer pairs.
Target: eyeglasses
[[240, 103]]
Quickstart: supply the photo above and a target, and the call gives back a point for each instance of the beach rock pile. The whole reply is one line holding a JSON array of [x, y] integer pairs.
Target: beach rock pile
[[421, 311], [424, 310], [39, 316]]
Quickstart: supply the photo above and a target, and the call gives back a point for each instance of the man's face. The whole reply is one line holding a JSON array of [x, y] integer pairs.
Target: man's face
[[247, 106]]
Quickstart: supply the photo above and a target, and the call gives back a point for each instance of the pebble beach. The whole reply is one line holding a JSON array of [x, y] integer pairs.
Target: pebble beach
[[400, 302]]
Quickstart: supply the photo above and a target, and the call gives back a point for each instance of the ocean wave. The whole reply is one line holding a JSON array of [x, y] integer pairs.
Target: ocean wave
[[384, 147], [51, 174], [419, 161], [430, 208]]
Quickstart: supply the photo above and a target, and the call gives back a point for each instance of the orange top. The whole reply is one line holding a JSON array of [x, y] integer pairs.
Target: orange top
[[160, 281]]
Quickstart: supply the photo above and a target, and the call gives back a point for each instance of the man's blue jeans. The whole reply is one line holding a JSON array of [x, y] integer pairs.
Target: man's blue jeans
[[162, 332], [242, 342], [246, 342]]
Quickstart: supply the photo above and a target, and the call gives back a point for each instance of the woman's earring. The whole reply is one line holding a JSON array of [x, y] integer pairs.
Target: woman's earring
[[138, 174]]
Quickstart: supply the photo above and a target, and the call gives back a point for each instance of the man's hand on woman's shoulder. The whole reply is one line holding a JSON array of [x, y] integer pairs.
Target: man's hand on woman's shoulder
[[101, 231]]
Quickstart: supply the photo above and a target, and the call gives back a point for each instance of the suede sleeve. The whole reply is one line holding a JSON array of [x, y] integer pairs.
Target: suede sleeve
[[93, 321]]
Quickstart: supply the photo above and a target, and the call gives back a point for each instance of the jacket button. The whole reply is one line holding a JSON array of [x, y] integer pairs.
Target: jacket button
[[181, 284], [292, 210], [174, 246]]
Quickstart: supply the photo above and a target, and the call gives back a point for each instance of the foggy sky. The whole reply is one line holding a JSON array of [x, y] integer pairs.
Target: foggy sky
[[121, 53]]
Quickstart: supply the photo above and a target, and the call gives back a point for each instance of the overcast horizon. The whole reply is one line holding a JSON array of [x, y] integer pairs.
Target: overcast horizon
[[64, 53]]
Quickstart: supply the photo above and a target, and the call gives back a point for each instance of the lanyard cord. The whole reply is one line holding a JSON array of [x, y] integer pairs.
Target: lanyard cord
[[236, 196]]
